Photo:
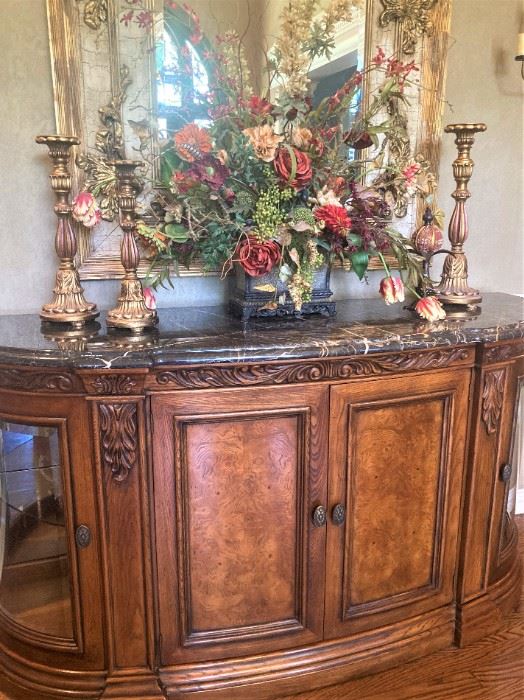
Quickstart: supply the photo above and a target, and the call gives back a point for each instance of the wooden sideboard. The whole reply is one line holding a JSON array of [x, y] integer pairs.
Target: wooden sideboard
[[253, 528]]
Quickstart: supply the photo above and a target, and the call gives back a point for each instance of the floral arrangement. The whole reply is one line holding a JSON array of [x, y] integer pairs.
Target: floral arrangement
[[273, 181]]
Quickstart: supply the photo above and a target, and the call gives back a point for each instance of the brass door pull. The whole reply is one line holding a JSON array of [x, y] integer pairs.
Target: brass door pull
[[83, 536], [338, 514], [505, 472], [319, 516]]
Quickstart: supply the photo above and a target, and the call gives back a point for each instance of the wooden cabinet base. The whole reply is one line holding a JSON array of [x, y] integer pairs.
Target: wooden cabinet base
[[278, 674], [226, 541], [484, 615]]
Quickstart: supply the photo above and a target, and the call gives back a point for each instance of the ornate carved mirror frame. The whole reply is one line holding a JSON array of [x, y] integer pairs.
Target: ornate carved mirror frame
[[99, 88]]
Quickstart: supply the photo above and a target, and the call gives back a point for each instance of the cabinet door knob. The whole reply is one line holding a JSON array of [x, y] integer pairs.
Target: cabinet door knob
[[319, 516], [83, 536], [338, 514], [505, 472]]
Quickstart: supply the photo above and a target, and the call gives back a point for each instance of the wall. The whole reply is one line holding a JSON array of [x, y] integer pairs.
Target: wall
[[484, 84]]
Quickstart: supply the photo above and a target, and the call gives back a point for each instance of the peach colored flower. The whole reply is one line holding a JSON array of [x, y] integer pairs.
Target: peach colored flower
[[222, 156], [264, 141], [430, 308], [301, 137], [392, 289], [150, 298], [85, 209], [192, 142]]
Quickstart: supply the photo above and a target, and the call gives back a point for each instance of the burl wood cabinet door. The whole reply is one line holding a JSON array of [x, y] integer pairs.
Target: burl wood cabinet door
[[237, 476], [397, 457]]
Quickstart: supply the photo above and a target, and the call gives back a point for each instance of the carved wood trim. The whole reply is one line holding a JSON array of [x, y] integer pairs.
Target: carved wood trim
[[499, 353], [36, 381], [492, 399], [122, 384], [118, 438], [206, 377]]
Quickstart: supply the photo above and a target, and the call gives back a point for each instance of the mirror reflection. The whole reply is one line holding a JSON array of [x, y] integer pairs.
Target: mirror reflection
[[205, 43]]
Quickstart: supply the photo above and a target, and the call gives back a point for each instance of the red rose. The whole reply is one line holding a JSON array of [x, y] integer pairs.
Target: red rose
[[257, 258], [283, 167]]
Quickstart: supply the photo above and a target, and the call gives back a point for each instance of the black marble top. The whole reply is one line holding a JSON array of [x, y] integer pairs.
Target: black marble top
[[210, 335]]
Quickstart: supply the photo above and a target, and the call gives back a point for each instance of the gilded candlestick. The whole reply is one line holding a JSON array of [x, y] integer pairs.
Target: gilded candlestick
[[454, 287], [69, 304], [131, 311]]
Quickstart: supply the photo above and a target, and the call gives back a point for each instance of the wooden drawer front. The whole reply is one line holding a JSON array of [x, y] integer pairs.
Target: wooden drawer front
[[241, 480], [397, 466]]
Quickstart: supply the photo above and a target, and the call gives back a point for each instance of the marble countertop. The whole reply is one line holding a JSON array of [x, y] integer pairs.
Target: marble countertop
[[210, 335]]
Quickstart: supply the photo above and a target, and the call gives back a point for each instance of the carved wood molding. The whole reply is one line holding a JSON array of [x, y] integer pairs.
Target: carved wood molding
[[307, 371], [118, 438], [36, 381], [498, 353], [492, 398], [111, 384], [413, 17]]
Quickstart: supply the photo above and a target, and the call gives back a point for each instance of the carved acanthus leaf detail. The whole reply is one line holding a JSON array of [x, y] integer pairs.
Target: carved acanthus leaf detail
[[414, 17], [313, 371], [504, 352], [492, 399], [111, 384], [31, 381], [119, 438]]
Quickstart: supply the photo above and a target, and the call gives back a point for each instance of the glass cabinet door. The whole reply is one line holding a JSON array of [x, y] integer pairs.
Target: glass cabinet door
[[35, 587]]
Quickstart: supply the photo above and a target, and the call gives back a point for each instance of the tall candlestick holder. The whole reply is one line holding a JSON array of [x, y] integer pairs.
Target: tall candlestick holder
[[454, 287], [131, 311], [69, 304]]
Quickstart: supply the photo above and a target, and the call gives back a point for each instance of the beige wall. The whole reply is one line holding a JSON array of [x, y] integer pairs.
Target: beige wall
[[484, 84]]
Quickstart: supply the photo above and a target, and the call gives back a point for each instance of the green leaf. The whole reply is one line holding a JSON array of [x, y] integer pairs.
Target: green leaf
[[359, 263], [177, 232]]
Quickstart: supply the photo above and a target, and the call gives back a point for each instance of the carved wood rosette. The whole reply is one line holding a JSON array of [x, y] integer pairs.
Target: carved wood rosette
[[492, 399]]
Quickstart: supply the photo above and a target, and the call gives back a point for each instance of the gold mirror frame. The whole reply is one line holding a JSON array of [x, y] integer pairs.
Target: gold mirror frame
[[416, 29]]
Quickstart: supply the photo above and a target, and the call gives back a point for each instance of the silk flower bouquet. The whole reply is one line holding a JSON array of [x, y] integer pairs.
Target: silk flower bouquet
[[269, 183]]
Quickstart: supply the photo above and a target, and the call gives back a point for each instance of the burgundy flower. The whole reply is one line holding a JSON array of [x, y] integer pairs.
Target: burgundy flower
[[357, 139], [284, 167], [392, 289], [210, 171], [257, 258]]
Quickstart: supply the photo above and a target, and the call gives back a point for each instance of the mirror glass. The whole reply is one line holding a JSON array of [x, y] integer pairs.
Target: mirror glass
[[196, 41]]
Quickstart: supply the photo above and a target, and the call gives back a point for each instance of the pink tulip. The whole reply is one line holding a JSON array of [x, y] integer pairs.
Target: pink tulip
[[150, 298], [430, 308], [85, 209], [392, 289]]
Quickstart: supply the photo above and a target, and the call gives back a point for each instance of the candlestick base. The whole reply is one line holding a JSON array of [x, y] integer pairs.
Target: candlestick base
[[131, 312], [69, 304]]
